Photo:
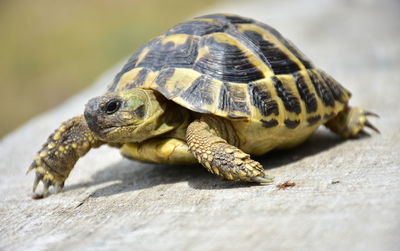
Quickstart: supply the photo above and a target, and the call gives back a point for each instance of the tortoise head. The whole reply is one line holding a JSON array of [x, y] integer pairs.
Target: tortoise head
[[125, 116]]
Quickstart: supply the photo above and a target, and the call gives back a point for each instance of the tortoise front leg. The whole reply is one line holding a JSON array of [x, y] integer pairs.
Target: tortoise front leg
[[58, 155], [221, 158]]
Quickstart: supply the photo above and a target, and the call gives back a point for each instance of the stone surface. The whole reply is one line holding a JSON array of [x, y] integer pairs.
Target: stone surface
[[347, 193]]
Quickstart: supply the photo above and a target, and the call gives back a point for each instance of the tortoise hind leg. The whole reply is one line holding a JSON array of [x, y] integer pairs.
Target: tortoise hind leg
[[351, 122], [221, 158]]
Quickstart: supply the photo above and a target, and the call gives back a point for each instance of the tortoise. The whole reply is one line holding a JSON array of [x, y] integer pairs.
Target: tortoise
[[212, 90]]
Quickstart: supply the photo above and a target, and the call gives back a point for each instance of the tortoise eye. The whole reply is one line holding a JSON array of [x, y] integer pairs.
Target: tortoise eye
[[112, 106]]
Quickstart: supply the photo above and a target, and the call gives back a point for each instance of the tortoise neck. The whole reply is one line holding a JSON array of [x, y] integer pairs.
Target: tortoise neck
[[179, 118], [166, 120]]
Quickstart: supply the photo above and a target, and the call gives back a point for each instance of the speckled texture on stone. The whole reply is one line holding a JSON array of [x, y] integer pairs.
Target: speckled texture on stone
[[347, 193]]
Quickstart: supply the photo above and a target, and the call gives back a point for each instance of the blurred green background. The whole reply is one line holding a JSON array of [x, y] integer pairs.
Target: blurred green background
[[50, 49]]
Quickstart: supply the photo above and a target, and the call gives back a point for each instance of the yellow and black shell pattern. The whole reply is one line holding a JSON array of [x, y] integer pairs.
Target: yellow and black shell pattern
[[236, 68]]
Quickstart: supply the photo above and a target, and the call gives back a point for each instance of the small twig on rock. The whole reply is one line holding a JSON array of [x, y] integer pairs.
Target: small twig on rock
[[285, 185]]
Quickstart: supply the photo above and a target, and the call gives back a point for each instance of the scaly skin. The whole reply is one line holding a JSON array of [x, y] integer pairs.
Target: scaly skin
[[221, 158], [58, 155]]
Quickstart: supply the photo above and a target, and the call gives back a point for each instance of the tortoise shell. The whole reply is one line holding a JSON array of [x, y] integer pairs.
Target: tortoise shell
[[237, 68]]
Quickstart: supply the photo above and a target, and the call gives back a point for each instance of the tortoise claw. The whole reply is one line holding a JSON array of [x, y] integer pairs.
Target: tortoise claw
[[364, 123], [365, 133], [58, 186], [368, 113], [31, 167], [371, 126], [48, 180], [38, 178], [46, 184], [263, 180]]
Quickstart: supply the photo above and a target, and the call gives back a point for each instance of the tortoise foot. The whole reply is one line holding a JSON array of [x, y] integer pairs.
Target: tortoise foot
[[352, 122]]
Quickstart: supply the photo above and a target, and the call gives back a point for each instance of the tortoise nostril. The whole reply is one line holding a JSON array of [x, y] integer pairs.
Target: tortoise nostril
[[92, 120], [112, 106]]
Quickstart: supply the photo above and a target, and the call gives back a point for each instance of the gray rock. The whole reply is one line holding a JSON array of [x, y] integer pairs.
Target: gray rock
[[347, 193]]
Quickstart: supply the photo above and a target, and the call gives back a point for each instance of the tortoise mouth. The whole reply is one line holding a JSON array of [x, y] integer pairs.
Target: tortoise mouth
[[113, 133], [112, 128], [108, 129]]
